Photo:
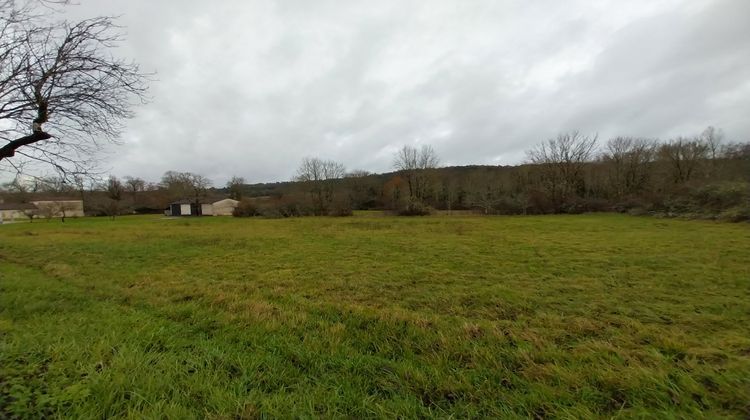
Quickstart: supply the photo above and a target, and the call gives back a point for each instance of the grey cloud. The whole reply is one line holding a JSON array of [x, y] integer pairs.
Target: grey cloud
[[251, 87]]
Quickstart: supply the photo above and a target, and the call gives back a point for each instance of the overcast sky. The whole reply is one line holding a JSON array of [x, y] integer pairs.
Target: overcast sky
[[249, 88]]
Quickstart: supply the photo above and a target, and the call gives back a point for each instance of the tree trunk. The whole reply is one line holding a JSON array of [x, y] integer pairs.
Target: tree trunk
[[9, 150]]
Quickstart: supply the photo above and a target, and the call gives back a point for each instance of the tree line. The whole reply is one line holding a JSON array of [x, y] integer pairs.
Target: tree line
[[701, 176]]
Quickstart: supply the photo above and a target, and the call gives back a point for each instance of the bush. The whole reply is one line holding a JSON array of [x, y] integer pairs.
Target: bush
[[633, 205], [509, 205], [578, 205], [722, 196], [278, 209], [341, 209], [282, 207], [537, 202], [271, 212], [638, 211], [246, 208], [415, 208], [725, 201], [736, 214]]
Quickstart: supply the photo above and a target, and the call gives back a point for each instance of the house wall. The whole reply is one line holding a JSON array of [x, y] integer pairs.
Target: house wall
[[224, 207], [185, 210], [72, 208], [11, 215], [207, 209]]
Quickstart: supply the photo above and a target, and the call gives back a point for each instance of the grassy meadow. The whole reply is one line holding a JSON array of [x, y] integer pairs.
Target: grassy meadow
[[590, 316]]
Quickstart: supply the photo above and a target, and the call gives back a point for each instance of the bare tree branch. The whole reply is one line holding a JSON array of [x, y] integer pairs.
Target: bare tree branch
[[62, 93]]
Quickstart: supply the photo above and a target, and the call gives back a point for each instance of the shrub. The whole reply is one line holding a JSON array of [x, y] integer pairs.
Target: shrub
[[736, 214], [509, 205], [578, 205], [633, 205], [341, 208], [283, 207], [722, 196], [271, 212], [415, 208], [638, 211], [537, 202], [246, 208]]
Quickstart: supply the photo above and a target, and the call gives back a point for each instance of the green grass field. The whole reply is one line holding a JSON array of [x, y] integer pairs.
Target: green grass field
[[551, 316]]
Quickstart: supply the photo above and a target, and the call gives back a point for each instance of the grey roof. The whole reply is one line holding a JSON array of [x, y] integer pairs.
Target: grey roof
[[17, 206], [186, 201]]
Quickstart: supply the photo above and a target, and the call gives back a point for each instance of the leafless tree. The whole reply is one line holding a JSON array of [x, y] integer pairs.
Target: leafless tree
[[357, 173], [200, 185], [628, 159], [739, 151], [114, 190], [713, 137], [62, 208], [18, 187], [47, 210], [684, 155], [185, 184], [414, 164], [361, 187], [79, 181], [31, 214], [483, 190], [134, 186], [62, 92], [321, 176], [562, 161], [235, 186], [315, 169]]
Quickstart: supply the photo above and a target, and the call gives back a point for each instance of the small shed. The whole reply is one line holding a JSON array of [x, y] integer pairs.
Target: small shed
[[224, 207], [184, 208], [207, 209]]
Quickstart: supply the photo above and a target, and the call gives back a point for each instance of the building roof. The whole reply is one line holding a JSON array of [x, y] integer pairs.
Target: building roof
[[59, 201], [17, 206], [226, 201], [186, 201]]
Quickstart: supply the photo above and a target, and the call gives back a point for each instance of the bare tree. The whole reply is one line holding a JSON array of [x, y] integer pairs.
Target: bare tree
[[61, 90], [200, 185], [562, 161], [712, 137], [18, 187], [315, 169], [185, 185], [134, 186], [62, 208], [414, 164], [739, 151], [235, 186], [484, 190], [684, 156], [628, 159], [357, 173], [114, 191], [79, 180], [361, 187], [47, 210], [31, 214], [322, 176]]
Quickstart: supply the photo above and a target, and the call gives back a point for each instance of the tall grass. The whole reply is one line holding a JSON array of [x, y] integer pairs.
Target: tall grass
[[555, 316]]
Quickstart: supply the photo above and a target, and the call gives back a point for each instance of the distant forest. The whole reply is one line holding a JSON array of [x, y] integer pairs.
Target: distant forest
[[702, 176]]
